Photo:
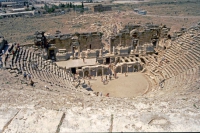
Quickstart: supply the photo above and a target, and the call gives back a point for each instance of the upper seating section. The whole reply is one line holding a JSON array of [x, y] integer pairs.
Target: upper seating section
[[178, 65]]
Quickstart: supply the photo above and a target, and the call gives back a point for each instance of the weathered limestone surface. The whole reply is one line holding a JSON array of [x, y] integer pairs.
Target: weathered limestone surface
[[29, 121]]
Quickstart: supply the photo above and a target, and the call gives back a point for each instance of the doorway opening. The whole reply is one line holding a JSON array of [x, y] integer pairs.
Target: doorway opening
[[73, 70], [51, 54], [107, 60]]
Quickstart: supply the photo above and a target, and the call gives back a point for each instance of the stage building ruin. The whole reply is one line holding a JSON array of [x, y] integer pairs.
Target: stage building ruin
[[124, 54]]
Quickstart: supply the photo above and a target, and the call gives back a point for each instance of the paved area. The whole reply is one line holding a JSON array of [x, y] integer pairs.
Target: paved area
[[132, 85], [76, 63]]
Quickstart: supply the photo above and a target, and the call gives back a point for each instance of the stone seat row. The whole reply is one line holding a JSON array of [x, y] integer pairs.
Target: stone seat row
[[185, 79], [25, 58], [187, 58]]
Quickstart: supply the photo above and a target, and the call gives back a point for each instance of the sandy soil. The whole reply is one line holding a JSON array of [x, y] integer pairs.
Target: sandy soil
[[134, 84]]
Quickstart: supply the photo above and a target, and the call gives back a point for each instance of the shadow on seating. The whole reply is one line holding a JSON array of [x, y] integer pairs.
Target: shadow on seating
[[89, 89]]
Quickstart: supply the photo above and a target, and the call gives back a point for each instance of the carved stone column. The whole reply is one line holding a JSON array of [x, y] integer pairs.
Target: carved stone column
[[120, 39], [100, 53]]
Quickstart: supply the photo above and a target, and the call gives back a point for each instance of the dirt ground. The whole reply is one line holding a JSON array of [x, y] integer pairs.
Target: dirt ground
[[132, 85]]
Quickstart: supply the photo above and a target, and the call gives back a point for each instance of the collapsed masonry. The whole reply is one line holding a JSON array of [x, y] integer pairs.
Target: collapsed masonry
[[63, 46]]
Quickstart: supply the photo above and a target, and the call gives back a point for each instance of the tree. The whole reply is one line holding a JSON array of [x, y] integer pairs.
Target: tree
[[82, 10], [73, 6], [67, 5], [33, 8], [46, 7], [61, 5], [70, 5], [82, 6]]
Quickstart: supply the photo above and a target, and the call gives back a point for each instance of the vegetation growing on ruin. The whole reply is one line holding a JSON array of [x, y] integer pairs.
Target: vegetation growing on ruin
[[52, 8]]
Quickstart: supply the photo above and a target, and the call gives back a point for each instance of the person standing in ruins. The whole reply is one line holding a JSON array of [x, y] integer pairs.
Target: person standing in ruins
[[31, 83], [29, 76], [125, 74], [10, 65], [107, 94], [25, 75], [104, 81]]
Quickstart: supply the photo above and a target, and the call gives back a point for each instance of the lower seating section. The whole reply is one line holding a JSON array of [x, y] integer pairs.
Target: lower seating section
[[28, 60]]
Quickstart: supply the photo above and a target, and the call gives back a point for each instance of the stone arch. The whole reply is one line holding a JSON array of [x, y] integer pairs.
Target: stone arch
[[86, 73], [134, 33], [80, 73], [106, 71], [130, 68], [93, 72], [99, 72], [136, 67]]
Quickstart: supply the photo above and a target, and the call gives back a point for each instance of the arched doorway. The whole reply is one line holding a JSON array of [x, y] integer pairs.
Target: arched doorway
[[135, 68], [106, 71], [80, 73], [99, 72], [73, 70], [93, 72], [130, 68], [86, 73]]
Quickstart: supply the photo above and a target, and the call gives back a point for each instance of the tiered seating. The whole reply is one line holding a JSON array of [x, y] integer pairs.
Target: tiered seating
[[179, 65], [26, 60]]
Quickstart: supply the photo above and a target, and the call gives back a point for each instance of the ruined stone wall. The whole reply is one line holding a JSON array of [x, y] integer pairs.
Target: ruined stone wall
[[40, 39], [147, 36], [85, 40], [62, 43], [144, 34], [126, 40], [115, 41]]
